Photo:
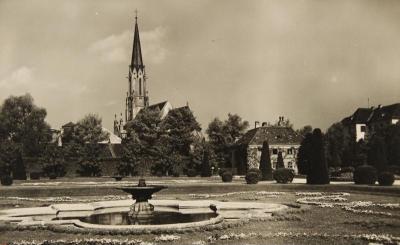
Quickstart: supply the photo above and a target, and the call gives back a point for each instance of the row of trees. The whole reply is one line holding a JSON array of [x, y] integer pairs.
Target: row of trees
[[24, 133], [381, 151]]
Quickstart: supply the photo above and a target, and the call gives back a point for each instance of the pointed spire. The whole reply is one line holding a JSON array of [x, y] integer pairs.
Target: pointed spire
[[137, 61]]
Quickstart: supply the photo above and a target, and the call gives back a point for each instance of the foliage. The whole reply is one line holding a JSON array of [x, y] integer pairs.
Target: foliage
[[53, 161], [227, 176], [23, 123], [265, 162], [386, 178], [284, 123], [89, 130], [253, 176], [283, 175], [377, 155], [337, 140], [280, 163], [223, 134], [35, 175], [11, 161], [394, 169], [305, 130], [318, 169], [304, 154], [206, 168], [365, 175], [392, 138], [52, 175], [6, 180], [191, 173], [89, 161]]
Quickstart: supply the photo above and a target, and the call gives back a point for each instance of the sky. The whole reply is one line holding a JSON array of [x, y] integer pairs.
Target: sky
[[314, 62]]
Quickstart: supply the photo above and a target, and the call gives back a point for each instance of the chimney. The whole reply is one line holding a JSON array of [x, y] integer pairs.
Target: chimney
[[264, 124], [379, 106], [256, 123]]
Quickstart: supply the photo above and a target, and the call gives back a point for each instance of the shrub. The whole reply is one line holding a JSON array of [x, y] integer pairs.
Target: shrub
[[191, 173], [226, 176], [159, 174], [386, 179], [6, 180], [35, 175], [253, 176], [283, 175], [365, 175], [52, 176], [393, 169]]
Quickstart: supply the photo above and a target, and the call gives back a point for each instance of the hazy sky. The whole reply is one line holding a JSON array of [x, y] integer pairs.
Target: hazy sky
[[312, 61]]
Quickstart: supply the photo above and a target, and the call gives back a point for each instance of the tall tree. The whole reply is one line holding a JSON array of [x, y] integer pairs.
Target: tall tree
[[337, 140], [265, 162], [318, 169], [304, 154], [223, 134], [280, 163], [22, 122], [377, 155], [205, 166], [393, 144], [305, 130]]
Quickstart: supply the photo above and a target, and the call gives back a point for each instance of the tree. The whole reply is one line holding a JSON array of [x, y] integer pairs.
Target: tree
[[205, 166], [84, 144], [53, 160], [393, 144], [304, 154], [337, 140], [265, 162], [22, 122], [280, 163], [223, 134], [318, 169], [11, 162], [305, 130], [377, 155], [149, 140]]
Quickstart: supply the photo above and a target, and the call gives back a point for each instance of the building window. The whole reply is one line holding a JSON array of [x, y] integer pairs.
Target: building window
[[274, 151], [140, 86], [363, 128], [290, 165], [290, 151], [274, 165]]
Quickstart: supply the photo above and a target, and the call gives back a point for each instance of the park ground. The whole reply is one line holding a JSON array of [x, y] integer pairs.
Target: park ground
[[372, 216]]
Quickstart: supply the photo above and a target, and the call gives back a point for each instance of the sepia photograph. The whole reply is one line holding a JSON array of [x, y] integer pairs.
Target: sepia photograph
[[163, 122]]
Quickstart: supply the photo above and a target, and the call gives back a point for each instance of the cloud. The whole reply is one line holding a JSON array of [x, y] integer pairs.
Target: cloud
[[18, 77], [118, 48]]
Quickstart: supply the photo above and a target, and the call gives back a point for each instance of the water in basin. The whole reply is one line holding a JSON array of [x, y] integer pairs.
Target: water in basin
[[157, 218]]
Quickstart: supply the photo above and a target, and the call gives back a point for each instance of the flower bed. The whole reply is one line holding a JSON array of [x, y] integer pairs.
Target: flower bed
[[331, 200], [256, 193]]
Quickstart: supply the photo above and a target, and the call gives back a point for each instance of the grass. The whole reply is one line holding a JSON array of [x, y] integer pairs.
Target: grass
[[314, 220]]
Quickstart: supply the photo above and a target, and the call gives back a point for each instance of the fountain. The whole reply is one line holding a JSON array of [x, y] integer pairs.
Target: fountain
[[141, 211]]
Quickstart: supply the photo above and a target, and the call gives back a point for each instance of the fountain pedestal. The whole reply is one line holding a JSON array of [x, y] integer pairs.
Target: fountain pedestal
[[141, 211]]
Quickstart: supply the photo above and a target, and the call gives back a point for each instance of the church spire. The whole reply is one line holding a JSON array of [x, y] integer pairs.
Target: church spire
[[137, 96], [137, 61]]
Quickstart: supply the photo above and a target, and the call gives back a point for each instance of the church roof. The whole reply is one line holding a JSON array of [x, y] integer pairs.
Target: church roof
[[272, 134], [137, 60], [159, 106]]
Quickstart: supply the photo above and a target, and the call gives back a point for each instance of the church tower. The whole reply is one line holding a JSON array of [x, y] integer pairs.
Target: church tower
[[137, 96]]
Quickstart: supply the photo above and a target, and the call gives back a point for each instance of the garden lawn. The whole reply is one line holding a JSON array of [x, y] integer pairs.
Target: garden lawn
[[312, 224]]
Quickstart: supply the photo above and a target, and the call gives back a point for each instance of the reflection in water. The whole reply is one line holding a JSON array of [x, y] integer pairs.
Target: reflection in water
[[157, 218]]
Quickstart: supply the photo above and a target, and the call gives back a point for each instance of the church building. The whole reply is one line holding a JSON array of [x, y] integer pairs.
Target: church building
[[137, 96]]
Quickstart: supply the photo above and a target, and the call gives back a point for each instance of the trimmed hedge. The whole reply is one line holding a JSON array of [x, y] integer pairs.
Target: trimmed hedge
[[52, 176], [6, 180], [283, 175], [35, 175], [253, 176], [226, 176], [386, 179], [365, 175], [191, 173]]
